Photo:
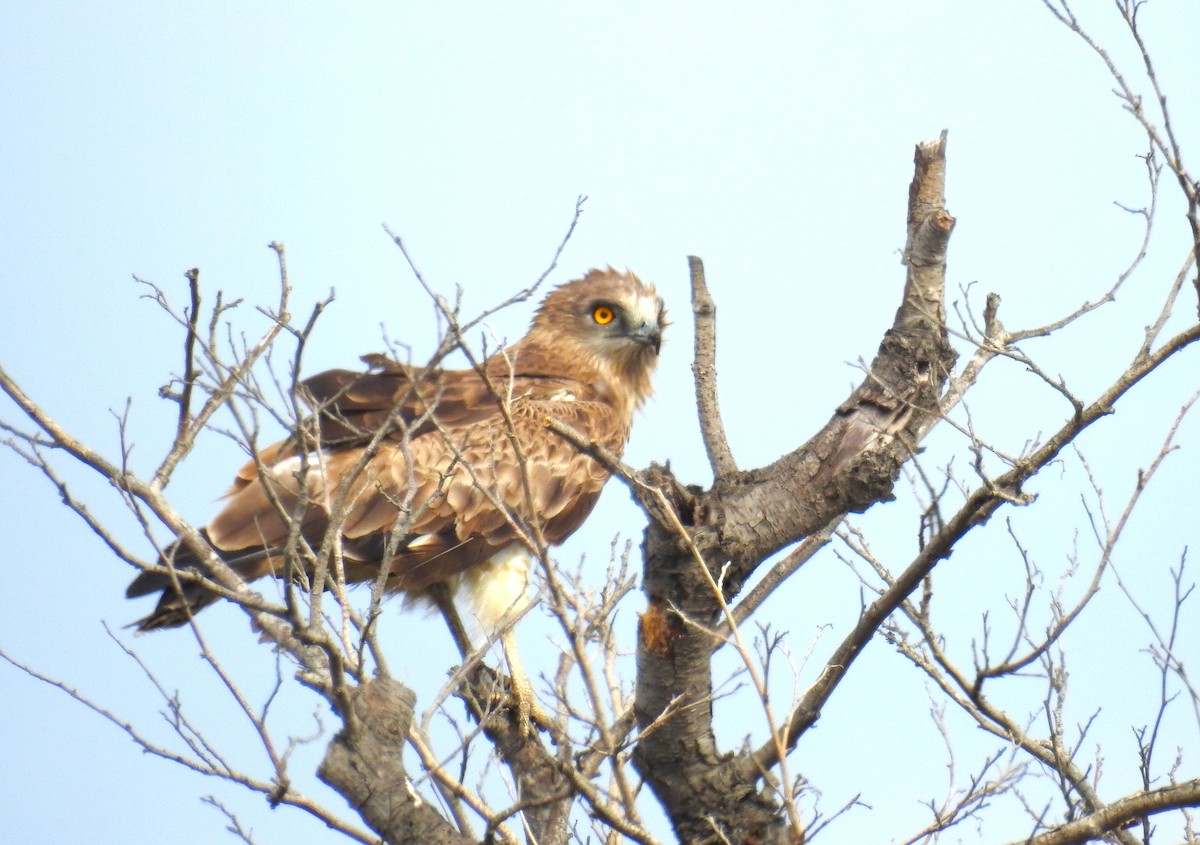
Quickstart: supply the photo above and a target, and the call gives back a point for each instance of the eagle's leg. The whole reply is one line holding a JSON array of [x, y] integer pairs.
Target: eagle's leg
[[440, 594], [526, 702]]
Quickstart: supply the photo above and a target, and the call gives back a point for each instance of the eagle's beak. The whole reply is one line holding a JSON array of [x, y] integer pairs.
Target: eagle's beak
[[648, 334]]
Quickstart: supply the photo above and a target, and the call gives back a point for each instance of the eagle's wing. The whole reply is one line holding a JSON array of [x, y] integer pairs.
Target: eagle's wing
[[430, 506], [352, 406], [349, 407], [446, 499]]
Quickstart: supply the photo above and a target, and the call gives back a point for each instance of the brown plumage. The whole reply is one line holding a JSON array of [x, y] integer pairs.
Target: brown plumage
[[447, 457]]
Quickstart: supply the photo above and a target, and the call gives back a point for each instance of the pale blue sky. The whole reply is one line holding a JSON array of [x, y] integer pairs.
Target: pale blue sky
[[772, 139]]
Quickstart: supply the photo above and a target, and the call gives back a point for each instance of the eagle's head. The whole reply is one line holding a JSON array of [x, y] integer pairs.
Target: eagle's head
[[609, 324]]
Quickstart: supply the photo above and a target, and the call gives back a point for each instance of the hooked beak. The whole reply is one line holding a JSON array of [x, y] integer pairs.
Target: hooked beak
[[648, 334]]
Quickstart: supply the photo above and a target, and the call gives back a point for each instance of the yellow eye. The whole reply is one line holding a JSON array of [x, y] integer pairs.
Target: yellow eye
[[603, 315]]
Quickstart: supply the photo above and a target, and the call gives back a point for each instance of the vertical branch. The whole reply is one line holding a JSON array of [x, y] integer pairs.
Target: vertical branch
[[929, 228], [189, 351], [704, 370]]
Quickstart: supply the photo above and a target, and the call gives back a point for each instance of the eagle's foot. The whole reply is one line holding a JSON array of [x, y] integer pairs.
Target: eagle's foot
[[529, 711]]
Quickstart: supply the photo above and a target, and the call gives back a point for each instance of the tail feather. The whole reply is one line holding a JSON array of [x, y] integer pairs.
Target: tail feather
[[177, 605], [175, 608]]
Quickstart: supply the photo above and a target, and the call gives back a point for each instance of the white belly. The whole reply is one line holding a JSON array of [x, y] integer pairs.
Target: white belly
[[497, 591]]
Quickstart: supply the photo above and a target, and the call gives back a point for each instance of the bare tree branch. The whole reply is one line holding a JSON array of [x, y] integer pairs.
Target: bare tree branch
[[1120, 814], [704, 370]]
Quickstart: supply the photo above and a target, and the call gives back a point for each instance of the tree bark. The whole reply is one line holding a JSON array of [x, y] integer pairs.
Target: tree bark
[[364, 763]]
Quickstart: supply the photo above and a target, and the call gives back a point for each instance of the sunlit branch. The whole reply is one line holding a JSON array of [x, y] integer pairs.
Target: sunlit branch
[[1117, 815], [704, 370]]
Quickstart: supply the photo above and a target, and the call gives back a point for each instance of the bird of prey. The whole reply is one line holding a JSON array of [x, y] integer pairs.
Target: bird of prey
[[441, 476]]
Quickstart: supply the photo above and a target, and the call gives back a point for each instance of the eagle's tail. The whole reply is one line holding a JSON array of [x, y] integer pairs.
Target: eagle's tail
[[178, 604]]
